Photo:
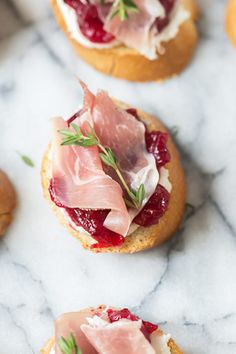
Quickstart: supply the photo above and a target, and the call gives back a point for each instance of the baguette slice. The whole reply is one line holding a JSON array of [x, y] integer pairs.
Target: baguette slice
[[126, 63], [230, 23], [50, 345], [7, 202], [144, 237]]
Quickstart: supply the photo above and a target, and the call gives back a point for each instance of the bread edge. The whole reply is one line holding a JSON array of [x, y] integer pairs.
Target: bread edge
[[230, 21], [126, 63]]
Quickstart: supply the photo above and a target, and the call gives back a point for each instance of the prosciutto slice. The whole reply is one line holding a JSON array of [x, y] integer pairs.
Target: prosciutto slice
[[80, 182], [70, 323], [138, 31], [79, 179], [123, 337]]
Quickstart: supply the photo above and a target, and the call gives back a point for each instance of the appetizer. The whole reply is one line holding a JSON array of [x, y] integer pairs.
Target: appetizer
[[7, 202], [137, 40], [107, 330], [230, 23], [113, 176]]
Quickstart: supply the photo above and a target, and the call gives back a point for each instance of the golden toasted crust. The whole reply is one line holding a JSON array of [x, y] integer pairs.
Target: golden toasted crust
[[144, 237], [174, 349], [126, 63], [7, 202], [192, 7], [230, 23]]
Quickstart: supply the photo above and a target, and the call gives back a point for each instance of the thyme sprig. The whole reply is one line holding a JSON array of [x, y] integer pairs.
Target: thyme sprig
[[123, 8], [69, 345], [107, 156]]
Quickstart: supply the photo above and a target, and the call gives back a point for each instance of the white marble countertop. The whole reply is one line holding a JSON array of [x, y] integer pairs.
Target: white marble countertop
[[189, 284]]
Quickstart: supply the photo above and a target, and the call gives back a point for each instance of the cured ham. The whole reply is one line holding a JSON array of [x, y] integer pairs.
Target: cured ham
[[138, 31], [123, 337], [80, 182], [78, 176], [71, 323], [107, 331]]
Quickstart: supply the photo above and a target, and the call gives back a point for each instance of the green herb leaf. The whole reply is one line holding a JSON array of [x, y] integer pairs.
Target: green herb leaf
[[141, 193], [106, 160], [77, 137], [123, 7], [26, 159], [69, 345], [138, 196]]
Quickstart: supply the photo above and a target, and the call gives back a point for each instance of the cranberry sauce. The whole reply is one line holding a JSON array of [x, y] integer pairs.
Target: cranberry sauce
[[154, 209], [156, 145], [116, 315], [161, 23], [92, 220], [91, 24]]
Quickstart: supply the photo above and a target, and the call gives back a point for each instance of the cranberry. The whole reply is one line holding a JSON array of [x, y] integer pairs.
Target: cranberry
[[76, 115], [161, 23], [89, 22], [150, 327], [116, 315], [91, 220], [75, 4], [154, 209], [91, 25], [156, 144], [133, 112]]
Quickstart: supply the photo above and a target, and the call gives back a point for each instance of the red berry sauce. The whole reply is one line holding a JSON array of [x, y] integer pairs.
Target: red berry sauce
[[161, 23], [116, 315], [156, 144], [154, 209], [92, 220], [91, 25], [89, 22]]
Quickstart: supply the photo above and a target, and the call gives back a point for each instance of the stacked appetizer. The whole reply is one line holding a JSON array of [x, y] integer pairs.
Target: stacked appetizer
[[113, 176], [108, 331], [231, 21], [138, 40]]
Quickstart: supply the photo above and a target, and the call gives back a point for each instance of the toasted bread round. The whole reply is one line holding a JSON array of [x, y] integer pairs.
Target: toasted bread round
[[126, 63], [49, 346], [7, 202], [144, 237], [230, 23]]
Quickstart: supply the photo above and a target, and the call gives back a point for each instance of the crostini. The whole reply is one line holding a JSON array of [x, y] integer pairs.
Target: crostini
[[138, 40], [113, 176], [230, 23], [104, 330], [7, 202]]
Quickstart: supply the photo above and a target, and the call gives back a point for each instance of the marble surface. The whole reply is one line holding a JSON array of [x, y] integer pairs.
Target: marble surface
[[187, 285]]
